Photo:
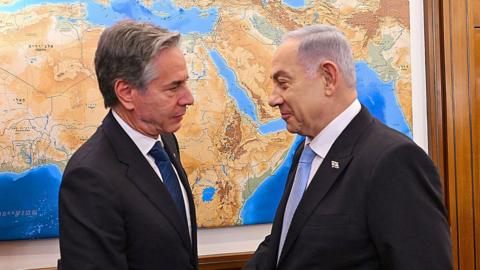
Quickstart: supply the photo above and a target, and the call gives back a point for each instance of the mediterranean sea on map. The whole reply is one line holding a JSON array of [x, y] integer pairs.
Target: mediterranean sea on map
[[235, 148]]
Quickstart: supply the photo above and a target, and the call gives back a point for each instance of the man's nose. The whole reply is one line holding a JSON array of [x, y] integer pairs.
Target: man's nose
[[187, 98], [274, 99]]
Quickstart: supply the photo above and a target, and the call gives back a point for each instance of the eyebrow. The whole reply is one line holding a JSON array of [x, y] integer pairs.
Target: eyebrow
[[178, 81]]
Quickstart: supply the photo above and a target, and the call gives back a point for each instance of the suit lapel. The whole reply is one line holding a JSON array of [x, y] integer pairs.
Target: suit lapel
[[151, 186], [321, 183], [335, 162], [143, 176]]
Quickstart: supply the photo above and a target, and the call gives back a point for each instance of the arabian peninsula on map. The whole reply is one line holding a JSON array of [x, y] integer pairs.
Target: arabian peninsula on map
[[235, 147]]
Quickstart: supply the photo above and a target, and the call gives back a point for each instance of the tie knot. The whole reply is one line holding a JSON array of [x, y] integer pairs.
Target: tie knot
[[307, 154], [158, 152]]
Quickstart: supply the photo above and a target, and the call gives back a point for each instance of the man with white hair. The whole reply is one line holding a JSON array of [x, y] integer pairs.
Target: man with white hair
[[359, 194]]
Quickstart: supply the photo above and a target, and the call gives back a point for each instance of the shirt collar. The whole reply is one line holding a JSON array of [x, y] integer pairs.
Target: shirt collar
[[143, 142], [324, 140]]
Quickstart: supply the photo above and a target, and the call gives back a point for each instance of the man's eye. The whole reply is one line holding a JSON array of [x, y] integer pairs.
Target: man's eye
[[283, 85], [174, 87]]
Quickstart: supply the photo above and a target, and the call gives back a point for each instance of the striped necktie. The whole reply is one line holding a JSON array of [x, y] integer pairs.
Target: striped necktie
[[170, 179]]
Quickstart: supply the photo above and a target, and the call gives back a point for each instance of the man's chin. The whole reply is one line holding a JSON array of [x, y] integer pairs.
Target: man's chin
[[291, 129], [173, 128]]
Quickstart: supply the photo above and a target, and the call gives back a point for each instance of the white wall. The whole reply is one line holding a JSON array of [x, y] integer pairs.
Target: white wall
[[419, 94], [44, 253]]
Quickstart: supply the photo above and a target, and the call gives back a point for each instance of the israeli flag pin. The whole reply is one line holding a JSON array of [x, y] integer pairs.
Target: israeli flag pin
[[335, 164]]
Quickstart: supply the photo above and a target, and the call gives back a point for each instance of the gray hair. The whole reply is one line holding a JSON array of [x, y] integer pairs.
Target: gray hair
[[126, 51], [319, 43]]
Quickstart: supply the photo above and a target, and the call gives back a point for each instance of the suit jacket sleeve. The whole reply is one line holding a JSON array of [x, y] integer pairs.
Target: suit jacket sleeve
[[405, 211], [91, 225], [262, 254]]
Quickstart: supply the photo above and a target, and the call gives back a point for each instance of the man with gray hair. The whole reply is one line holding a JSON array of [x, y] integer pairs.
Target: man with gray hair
[[125, 202], [359, 194]]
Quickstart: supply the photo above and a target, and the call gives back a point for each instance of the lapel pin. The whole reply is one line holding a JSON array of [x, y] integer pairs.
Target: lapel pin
[[335, 164]]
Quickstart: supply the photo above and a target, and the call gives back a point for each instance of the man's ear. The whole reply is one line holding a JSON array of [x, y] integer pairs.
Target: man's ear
[[124, 91], [330, 72]]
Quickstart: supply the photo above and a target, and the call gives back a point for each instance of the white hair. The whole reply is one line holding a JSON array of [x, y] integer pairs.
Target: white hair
[[319, 43]]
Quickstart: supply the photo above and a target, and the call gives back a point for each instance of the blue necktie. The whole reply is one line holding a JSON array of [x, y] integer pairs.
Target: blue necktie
[[299, 186], [169, 177]]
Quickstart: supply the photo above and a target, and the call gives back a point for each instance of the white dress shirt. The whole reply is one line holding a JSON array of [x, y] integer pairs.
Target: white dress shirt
[[324, 140], [145, 144]]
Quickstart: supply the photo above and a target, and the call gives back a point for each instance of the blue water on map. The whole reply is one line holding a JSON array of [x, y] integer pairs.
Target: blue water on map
[[207, 194], [295, 3], [272, 126], [262, 204], [162, 13], [380, 98], [29, 203], [244, 103]]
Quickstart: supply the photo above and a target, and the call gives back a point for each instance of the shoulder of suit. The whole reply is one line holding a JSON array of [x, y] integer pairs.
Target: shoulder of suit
[[95, 148], [380, 140], [383, 134]]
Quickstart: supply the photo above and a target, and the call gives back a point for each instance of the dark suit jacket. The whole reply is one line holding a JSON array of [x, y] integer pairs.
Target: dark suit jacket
[[115, 213], [381, 209]]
